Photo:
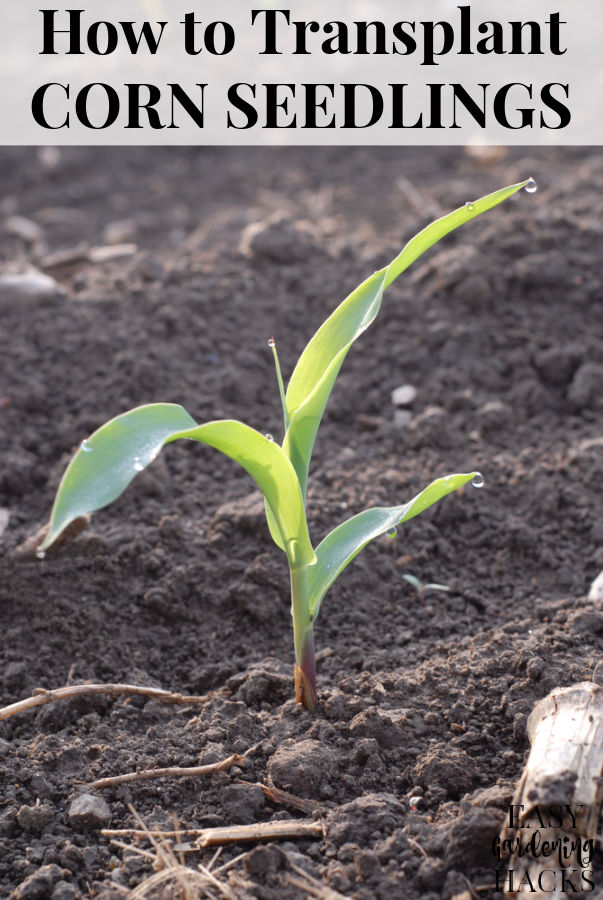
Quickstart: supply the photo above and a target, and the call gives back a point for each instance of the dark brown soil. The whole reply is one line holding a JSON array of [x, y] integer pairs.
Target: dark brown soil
[[178, 585]]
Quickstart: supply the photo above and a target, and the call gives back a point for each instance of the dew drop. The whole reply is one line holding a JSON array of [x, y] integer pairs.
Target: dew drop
[[478, 480], [85, 446], [470, 206], [531, 186], [271, 342], [268, 437], [40, 553], [137, 464], [391, 532]]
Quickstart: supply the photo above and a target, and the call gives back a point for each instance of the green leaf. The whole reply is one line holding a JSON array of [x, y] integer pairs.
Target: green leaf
[[107, 462], [318, 366], [346, 541]]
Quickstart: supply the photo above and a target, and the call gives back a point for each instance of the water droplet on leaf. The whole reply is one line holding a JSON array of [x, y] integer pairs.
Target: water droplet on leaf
[[531, 186], [40, 553], [137, 464], [391, 532], [271, 342], [478, 480], [470, 206], [268, 437], [85, 446]]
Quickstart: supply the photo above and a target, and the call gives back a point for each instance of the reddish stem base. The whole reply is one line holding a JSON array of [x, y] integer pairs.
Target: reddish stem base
[[305, 674]]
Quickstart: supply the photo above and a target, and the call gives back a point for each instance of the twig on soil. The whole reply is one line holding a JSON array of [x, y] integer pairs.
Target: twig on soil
[[43, 696], [471, 890], [150, 832], [282, 797], [131, 849], [416, 846], [171, 772], [65, 262], [260, 831]]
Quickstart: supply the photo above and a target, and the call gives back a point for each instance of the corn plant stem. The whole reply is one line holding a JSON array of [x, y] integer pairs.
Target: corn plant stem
[[303, 638]]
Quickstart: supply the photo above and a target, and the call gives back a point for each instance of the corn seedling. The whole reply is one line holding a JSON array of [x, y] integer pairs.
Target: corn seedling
[[112, 456], [421, 587]]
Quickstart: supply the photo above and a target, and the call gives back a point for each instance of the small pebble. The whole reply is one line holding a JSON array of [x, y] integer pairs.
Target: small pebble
[[4, 519], [121, 232], [31, 287], [20, 227], [404, 395], [596, 589], [89, 811]]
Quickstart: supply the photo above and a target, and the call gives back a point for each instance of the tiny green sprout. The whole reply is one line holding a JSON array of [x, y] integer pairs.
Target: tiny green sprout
[[112, 456], [421, 587]]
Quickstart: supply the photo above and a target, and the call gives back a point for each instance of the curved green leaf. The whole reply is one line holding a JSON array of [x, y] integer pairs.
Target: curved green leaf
[[317, 368], [107, 462], [346, 541]]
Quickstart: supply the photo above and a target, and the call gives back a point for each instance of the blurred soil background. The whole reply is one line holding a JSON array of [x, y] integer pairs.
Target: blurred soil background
[[159, 275]]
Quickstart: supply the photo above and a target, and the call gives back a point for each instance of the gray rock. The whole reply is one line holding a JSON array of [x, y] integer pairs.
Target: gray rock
[[404, 395], [89, 811], [121, 232], [596, 589], [20, 227], [32, 288]]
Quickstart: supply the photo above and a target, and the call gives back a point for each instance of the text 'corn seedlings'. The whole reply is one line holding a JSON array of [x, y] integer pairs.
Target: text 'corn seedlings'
[[110, 458]]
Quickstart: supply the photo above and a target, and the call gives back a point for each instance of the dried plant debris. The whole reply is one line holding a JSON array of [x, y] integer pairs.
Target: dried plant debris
[[547, 845]]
